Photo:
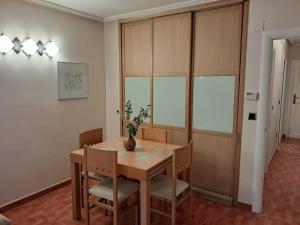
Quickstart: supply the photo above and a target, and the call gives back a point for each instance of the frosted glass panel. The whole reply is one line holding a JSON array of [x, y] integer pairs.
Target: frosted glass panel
[[137, 90], [169, 101], [213, 103]]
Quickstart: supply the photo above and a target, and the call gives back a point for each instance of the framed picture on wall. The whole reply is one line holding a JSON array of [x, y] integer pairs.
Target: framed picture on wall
[[72, 80]]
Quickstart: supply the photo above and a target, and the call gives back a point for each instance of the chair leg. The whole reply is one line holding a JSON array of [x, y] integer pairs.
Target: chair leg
[[82, 195], [138, 206], [105, 209], [116, 217], [151, 214], [173, 214], [111, 204], [87, 214], [136, 215], [81, 187], [190, 210]]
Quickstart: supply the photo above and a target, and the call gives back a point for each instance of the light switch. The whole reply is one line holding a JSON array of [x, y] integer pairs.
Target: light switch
[[252, 116]]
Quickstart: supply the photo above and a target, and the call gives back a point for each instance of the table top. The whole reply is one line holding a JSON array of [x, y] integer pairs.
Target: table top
[[147, 154]]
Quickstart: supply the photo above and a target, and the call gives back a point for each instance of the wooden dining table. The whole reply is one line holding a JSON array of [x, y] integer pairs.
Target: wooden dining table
[[145, 162]]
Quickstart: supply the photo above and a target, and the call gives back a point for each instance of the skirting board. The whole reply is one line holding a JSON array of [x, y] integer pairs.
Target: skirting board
[[222, 199], [34, 196], [225, 200], [244, 206]]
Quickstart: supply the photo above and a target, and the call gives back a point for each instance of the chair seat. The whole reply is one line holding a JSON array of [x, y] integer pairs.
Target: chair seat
[[96, 176], [105, 189], [161, 187]]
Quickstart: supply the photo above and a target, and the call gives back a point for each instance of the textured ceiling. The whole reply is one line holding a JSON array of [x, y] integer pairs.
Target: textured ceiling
[[114, 9], [108, 8]]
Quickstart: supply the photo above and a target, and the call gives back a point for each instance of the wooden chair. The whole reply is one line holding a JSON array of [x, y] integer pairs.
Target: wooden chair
[[90, 137], [154, 134], [170, 189], [112, 189]]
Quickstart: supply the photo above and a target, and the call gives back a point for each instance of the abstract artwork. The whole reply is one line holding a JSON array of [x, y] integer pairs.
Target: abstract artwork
[[72, 80]]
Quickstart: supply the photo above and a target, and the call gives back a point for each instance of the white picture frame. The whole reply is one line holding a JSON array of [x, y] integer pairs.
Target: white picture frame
[[72, 80]]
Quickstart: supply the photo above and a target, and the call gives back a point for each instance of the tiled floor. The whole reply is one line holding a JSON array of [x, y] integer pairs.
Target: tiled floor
[[281, 202]]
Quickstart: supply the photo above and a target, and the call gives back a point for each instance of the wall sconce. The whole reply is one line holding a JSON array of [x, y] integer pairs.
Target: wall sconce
[[40, 48], [5, 44], [28, 46], [17, 45], [51, 49]]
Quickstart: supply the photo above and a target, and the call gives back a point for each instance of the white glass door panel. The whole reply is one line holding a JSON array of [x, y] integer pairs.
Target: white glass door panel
[[213, 103], [138, 91], [169, 101]]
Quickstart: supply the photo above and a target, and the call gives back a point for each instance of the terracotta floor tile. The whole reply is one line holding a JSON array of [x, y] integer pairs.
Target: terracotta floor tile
[[281, 202]]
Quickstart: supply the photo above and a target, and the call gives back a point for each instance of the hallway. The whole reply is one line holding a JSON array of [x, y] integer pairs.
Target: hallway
[[281, 201], [282, 185]]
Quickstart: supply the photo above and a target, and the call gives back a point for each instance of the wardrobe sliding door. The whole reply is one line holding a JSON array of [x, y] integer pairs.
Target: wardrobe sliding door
[[171, 75], [156, 56], [137, 44], [217, 47]]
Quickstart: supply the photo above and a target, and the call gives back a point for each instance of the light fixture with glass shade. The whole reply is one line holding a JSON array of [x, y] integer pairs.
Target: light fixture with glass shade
[[51, 49], [29, 47], [5, 44]]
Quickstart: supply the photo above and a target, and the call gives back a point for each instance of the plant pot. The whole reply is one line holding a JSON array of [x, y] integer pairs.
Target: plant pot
[[129, 144]]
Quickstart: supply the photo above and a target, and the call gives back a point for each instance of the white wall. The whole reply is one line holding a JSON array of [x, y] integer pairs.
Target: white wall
[[265, 16], [37, 131]]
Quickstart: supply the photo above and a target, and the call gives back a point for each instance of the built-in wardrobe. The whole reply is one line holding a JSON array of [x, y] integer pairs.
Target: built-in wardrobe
[[189, 66]]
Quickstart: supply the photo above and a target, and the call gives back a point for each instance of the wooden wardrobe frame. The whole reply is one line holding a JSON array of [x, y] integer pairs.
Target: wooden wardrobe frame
[[197, 8]]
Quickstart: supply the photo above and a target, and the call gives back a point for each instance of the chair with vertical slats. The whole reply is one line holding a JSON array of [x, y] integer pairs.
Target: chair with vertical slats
[[90, 137], [170, 189], [154, 134], [113, 189]]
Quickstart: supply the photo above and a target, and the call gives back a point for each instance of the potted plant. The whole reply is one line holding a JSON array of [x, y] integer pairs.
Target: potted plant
[[132, 125]]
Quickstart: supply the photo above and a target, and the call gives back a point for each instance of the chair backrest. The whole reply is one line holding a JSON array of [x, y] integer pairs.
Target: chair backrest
[[91, 137], [182, 159], [154, 134], [103, 162]]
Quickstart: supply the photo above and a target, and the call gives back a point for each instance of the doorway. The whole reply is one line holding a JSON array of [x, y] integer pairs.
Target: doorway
[[262, 132], [276, 93], [283, 110], [294, 120]]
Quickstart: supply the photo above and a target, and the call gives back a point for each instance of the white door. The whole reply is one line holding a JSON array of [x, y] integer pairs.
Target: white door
[[294, 131]]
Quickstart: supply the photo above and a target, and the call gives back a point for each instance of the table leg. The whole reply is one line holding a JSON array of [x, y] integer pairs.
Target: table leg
[[145, 202], [75, 175]]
